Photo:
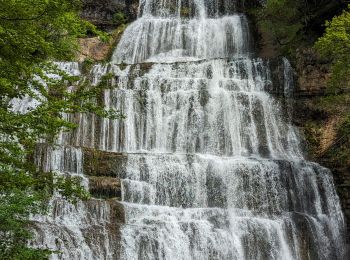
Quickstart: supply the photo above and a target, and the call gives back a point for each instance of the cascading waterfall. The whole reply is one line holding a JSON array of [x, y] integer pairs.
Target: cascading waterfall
[[214, 169]]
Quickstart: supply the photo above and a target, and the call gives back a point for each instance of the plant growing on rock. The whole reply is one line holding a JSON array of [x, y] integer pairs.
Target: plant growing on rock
[[335, 44]]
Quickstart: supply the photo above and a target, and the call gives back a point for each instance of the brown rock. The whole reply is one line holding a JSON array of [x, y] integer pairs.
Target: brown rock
[[102, 12], [93, 48], [97, 50], [105, 187], [101, 163]]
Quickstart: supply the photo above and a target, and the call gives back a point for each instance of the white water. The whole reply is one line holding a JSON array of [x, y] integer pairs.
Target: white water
[[214, 169]]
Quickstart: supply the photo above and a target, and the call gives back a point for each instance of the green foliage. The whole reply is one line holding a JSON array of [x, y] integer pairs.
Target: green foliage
[[335, 44], [281, 21], [87, 65], [119, 18], [292, 24], [33, 33]]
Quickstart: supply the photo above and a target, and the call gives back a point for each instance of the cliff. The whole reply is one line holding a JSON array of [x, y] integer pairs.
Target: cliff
[[108, 14], [320, 117], [320, 114]]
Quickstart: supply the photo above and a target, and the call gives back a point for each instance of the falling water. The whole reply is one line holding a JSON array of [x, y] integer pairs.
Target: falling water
[[214, 169]]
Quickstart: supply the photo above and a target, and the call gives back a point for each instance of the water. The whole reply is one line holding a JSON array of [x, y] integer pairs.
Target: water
[[213, 168]]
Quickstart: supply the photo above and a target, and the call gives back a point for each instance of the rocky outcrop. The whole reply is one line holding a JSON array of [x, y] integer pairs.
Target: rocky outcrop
[[103, 164], [96, 50], [107, 14], [105, 187]]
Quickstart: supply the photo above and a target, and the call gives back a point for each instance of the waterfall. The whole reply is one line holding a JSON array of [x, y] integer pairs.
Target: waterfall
[[212, 168]]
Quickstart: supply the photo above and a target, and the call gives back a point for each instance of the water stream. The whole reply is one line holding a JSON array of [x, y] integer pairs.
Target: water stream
[[214, 168]]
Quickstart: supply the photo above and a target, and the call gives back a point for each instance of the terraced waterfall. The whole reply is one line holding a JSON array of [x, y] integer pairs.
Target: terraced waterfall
[[206, 163]]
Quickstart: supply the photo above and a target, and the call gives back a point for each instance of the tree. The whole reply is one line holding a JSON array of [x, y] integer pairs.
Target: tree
[[292, 24], [335, 44], [280, 19], [33, 33]]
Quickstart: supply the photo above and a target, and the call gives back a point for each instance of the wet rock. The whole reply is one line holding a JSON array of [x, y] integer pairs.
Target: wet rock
[[93, 225], [101, 163], [105, 187]]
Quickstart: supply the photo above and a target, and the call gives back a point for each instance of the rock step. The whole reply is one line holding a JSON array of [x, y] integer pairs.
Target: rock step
[[101, 163], [105, 187]]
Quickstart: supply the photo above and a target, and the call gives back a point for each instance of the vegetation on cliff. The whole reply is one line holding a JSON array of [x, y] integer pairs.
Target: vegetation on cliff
[[335, 44], [323, 26], [33, 33], [294, 24]]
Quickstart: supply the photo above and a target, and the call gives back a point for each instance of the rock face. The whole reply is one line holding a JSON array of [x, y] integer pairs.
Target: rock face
[[94, 49], [313, 73], [103, 13], [110, 16], [88, 229], [100, 163], [105, 187]]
